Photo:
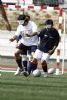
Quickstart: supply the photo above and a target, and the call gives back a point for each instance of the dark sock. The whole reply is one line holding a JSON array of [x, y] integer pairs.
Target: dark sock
[[19, 62], [25, 65], [44, 68], [34, 67], [31, 67]]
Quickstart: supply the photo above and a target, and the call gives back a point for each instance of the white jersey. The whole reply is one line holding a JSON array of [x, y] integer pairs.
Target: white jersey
[[28, 29]]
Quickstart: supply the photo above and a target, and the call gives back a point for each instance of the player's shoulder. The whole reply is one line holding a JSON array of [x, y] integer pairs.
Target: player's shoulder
[[44, 30], [19, 27], [32, 22], [55, 30]]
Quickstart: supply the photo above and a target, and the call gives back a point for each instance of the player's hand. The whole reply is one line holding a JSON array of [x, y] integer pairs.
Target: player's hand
[[51, 52], [28, 35], [11, 40]]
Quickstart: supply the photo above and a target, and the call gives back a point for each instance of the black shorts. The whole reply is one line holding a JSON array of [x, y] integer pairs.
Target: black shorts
[[27, 49], [32, 49]]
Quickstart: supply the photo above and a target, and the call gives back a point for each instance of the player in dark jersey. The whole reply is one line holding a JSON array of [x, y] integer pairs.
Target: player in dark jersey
[[2, 11], [49, 39]]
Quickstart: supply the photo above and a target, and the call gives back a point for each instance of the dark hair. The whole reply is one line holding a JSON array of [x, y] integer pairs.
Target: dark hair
[[27, 16], [49, 22], [21, 17]]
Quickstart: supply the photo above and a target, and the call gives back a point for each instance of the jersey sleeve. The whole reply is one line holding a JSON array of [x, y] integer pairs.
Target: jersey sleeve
[[42, 32], [18, 32]]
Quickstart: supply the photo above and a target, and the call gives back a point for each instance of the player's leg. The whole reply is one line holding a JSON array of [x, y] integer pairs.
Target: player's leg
[[18, 61], [33, 64], [44, 60], [24, 60], [31, 54], [19, 49]]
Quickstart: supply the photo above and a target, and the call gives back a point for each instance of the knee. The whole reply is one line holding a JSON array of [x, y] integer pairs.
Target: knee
[[34, 61], [43, 63], [16, 54]]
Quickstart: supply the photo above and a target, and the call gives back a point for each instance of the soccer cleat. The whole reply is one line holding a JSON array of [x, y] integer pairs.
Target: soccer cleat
[[25, 73], [45, 74], [18, 72]]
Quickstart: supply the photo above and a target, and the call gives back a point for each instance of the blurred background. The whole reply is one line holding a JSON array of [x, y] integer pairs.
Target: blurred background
[[38, 16]]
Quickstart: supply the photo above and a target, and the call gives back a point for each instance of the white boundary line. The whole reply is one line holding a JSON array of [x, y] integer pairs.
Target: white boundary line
[[6, 71]]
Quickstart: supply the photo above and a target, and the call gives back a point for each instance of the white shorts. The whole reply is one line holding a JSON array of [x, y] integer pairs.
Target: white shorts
[[39, 55]]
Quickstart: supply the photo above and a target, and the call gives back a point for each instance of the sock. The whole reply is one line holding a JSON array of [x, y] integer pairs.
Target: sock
[[19, 62], [25, 65], [34, 67], [45, 68], [31, 67]]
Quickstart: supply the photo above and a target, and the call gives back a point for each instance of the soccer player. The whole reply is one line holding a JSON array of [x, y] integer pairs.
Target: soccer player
[[49, 39], [28, 32], [2, 11]]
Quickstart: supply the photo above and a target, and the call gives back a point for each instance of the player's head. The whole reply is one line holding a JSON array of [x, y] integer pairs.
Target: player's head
[[23, 19], [28, 17], [49, 23]]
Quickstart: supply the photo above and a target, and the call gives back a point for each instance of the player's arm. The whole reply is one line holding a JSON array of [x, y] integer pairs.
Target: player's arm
[[33, 34], [13, 38], [52, 51], [2, 10], [17, 35], [56, 44]]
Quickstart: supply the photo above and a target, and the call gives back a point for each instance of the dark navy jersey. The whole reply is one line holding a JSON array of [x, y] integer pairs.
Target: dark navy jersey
[[48, 39], [0, 2]]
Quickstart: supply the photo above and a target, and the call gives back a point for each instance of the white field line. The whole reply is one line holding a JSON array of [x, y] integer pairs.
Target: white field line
[[6, 71]]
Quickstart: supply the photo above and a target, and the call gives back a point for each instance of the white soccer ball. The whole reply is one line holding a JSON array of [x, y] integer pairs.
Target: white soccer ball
[[36, 73], [51, 70]]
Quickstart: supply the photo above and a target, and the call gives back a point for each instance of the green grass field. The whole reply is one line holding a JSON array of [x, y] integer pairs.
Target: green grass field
[[32, 88]]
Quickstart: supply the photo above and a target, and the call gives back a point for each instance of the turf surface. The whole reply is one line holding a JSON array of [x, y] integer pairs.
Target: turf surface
[[32, 88]]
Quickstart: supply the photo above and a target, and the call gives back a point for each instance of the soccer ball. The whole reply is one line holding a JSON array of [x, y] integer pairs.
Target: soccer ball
[[36, 73], [51, 70]]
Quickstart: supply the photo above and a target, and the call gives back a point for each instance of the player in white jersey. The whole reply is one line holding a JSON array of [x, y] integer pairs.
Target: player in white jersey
[[28, 31]]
